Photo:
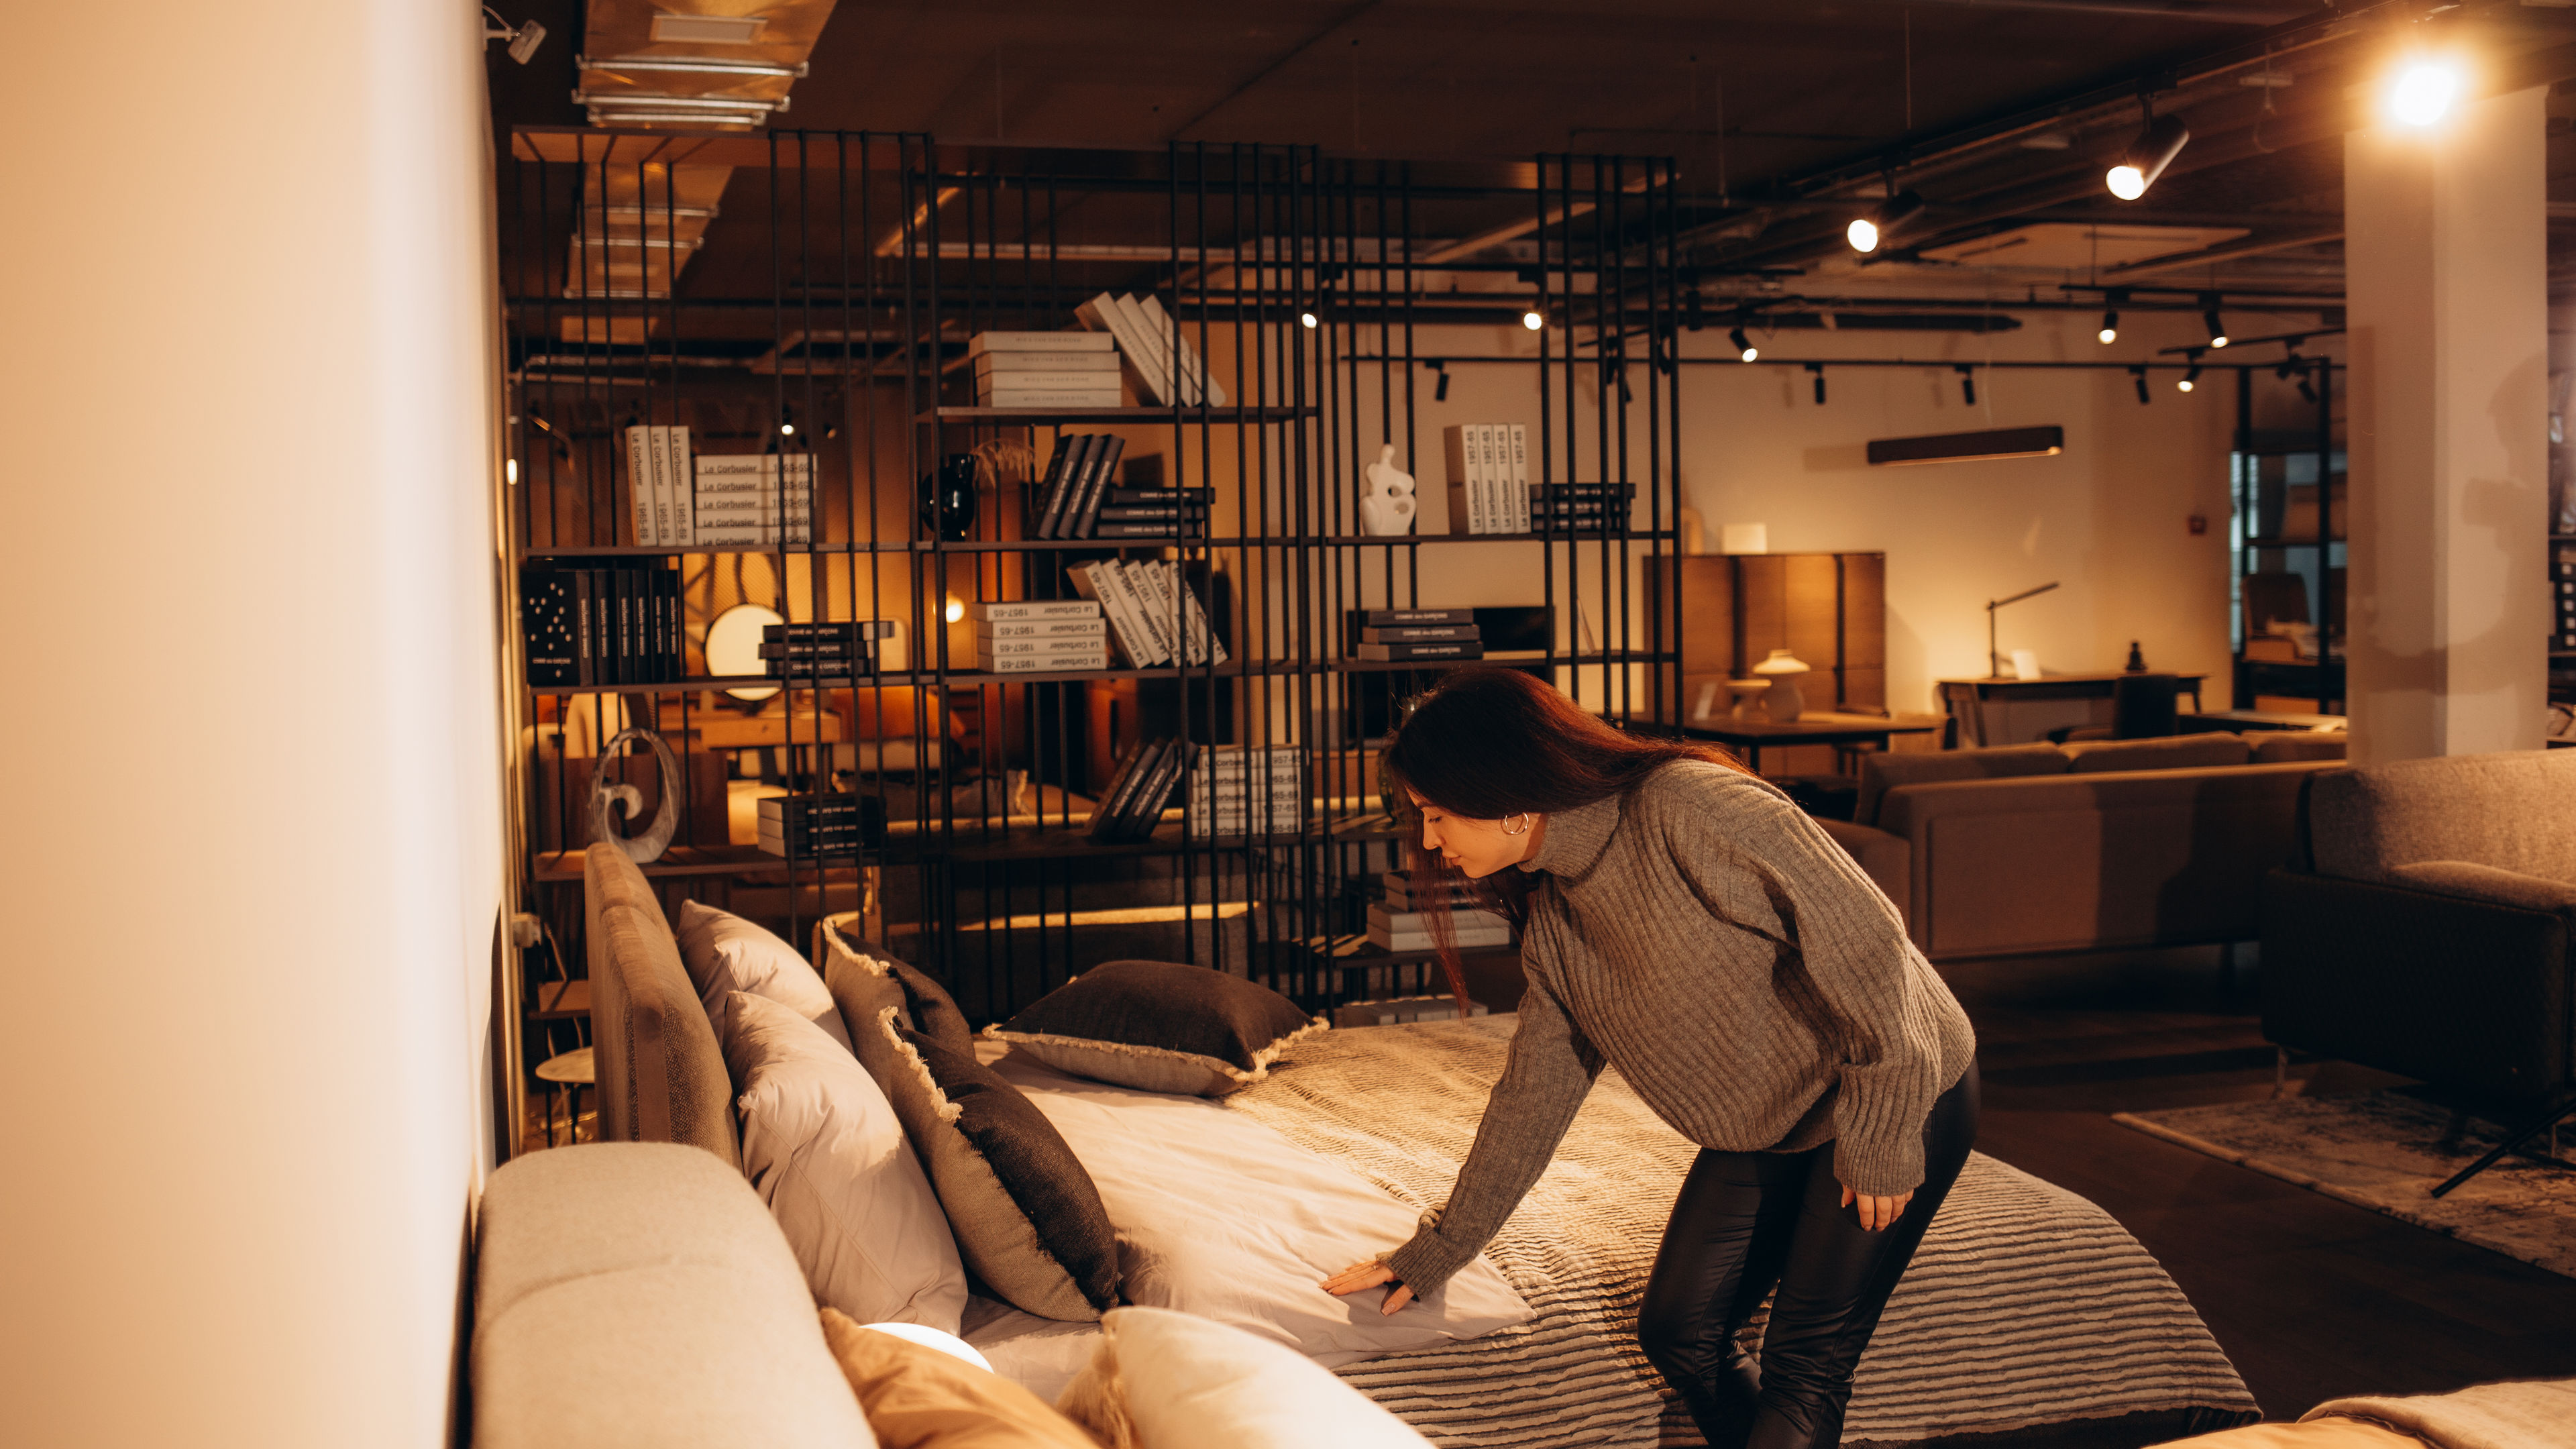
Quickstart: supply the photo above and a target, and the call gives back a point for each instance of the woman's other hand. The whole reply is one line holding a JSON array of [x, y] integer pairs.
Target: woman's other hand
[[1368, 1275], [1876, 1212]]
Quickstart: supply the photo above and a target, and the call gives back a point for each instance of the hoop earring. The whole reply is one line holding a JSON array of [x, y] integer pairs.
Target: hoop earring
[[1524, 819]]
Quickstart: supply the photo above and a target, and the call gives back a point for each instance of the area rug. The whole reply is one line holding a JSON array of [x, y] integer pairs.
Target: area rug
[[2387, 1151]]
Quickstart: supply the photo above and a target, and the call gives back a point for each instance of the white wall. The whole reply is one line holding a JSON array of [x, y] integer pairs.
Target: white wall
[[253, 831], [2108, 519]]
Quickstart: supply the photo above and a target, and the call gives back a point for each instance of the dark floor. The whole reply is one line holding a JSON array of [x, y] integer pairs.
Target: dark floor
[[2311, 1297]]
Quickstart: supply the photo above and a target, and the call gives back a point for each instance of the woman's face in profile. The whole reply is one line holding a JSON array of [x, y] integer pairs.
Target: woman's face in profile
[[1474, 848]]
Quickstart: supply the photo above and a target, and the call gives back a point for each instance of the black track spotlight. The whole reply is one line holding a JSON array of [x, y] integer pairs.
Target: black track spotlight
[[1967, 384], [2191, 375], [2307, 389], [2147, 157], [1866, 232], [2110, 332], [2138, 376], [1440, 390], [1817, 371], [2210, 319], [1743, 345], [2290, 364], [1693, 317]]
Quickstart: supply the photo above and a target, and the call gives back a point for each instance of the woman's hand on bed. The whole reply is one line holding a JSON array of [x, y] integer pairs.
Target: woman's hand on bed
[[1368, 1275], [1876, 1212]]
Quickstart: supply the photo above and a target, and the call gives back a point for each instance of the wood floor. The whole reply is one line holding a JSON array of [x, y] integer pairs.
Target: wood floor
[[2311, 1297]]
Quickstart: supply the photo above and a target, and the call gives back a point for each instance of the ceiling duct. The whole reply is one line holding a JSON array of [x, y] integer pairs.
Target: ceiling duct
[[694, 64]]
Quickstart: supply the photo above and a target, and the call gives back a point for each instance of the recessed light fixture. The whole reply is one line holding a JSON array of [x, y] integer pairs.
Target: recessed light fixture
[[670, 29], [2147, 157]]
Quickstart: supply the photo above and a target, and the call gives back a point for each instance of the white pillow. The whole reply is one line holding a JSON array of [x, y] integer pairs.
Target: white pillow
[[822, 1146], [726, 954], [1182, 1382], [1220, 1216]]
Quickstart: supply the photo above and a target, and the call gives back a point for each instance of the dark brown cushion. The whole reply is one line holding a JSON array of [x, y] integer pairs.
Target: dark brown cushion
[[1882, 772], [1160, 1026], [1027, 1217], [2175, 752]]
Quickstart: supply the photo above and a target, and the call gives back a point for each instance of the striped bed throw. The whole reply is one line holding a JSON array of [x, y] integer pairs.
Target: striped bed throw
[[2026, 1307]]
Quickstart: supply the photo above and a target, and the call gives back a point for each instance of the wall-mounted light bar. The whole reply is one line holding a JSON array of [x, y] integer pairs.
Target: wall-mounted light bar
[[2045, 442]]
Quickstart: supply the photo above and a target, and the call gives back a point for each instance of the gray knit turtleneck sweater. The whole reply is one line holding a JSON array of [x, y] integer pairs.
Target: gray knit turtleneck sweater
[[1718, 948]]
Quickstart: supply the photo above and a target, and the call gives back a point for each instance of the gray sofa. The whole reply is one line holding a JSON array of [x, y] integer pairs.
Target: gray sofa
[[2088, 846], [661, 1073], [2427, 923], [639, 1295]]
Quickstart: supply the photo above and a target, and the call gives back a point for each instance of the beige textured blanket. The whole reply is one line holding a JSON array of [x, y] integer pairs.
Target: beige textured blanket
[[2534, 1414], [2026, 1306]]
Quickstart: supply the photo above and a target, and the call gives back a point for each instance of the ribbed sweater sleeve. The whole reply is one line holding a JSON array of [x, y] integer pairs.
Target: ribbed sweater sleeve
[[1766, 863], [1544, 1082]]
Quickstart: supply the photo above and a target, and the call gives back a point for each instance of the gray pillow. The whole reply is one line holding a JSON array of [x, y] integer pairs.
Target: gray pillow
[[1159, 1026], [1027, 1218]]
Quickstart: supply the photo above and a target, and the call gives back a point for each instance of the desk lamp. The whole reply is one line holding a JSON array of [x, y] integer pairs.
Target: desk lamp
[[1995, 659]]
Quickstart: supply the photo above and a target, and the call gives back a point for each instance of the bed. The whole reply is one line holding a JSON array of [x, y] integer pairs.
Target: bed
[[2029, 1315]]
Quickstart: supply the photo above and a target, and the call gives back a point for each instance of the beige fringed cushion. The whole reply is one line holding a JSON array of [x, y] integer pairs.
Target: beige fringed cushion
[[1164, 1380], [1160, 1026], [1026, 1216], [863, 981]]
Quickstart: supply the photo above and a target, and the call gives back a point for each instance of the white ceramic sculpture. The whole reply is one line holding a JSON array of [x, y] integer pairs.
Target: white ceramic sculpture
[[610, 803], [1784, 702], [1388, 505], [1748, 697]]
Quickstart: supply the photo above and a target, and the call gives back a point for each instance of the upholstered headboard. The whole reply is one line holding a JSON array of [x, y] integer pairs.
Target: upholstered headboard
[[661, 1074]]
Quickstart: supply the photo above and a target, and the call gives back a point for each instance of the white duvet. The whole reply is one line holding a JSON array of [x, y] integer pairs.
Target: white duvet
[[1220, 1216]]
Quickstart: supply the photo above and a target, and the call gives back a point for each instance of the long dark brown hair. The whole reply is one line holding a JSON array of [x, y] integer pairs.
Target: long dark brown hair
[[1487, 744]]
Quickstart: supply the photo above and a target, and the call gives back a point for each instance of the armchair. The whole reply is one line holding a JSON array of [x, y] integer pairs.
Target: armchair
[[2425, 927]]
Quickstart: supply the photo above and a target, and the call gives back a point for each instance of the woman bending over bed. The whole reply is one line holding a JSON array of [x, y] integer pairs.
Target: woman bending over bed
[[1682, 921]]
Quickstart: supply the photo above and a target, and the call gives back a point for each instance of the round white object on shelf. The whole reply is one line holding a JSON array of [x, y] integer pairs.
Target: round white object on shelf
[[947, 1343], [733, 646]]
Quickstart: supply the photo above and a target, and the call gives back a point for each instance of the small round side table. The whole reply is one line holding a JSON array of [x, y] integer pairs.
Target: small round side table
[[571, 1070]]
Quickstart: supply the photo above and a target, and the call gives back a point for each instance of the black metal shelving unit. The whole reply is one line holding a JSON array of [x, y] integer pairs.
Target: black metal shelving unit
[[1302, 278], [2265, 465]]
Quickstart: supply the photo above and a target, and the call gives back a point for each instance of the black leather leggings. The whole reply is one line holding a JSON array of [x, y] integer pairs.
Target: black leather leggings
[[1747, 1221]]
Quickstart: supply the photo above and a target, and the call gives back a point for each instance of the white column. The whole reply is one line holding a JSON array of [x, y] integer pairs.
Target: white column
[[2445, 258], [253, 826]]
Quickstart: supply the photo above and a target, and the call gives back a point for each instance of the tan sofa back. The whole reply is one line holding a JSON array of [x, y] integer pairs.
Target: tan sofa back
[[640, 1295], [2094, 861], [2507, 810], [661, 1074], [1880, 773], [2173, 752]]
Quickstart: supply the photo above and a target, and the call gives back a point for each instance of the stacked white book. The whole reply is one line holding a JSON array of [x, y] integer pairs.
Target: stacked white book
[[657, 484], [1489, 487], [1402, 920], [1044, 369], [753, 500], [1153, 614], [1246, 790], [1167, 368], [1037, 636]]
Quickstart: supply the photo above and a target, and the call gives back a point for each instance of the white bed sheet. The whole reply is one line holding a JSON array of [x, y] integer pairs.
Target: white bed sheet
[[1221, 1216]]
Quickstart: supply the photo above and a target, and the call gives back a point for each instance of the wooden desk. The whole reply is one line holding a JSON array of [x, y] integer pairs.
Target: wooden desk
[[1747, 736], [2238, 721], [2019, 711]]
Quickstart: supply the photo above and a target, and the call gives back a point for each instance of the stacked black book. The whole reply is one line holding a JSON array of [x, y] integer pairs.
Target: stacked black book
[[843, 650], [599, 626], [1078, 497], [813, 825], [1594, 508], [2562, 586], [1133, 804], [1429, 635]]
